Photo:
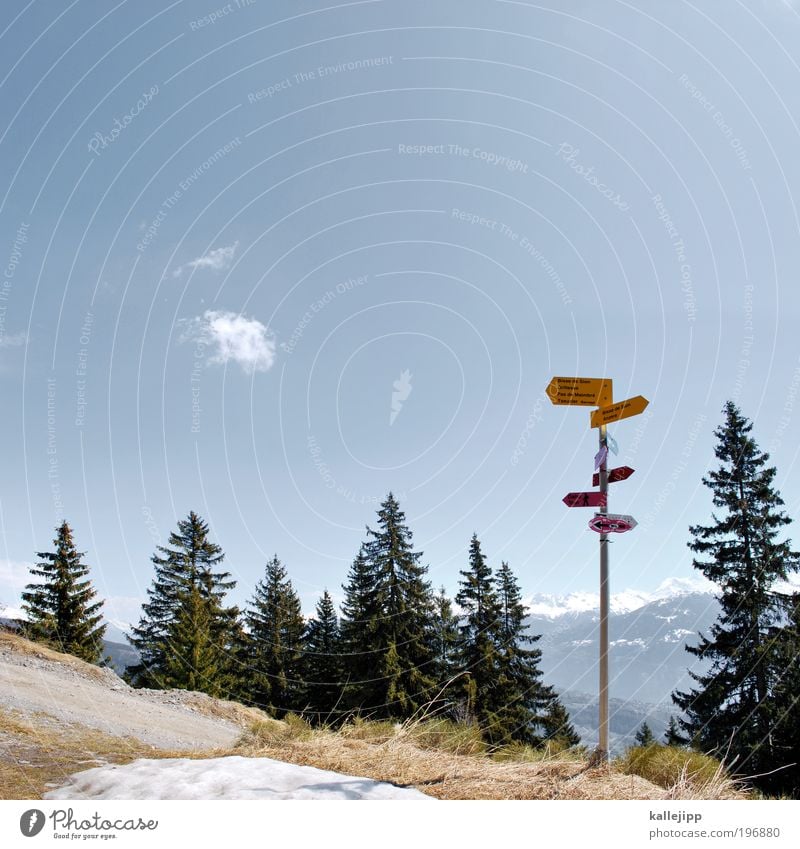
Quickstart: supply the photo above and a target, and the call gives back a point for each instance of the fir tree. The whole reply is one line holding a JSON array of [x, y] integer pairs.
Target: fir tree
[[557, 725], [184, 620], [673, 736], [445, 638], [62, 610], [644, 736], [522, 700], [731, 711], [275, 628], [404, 628], [361, 657], [322, 662], [785, 716], [478, 650]]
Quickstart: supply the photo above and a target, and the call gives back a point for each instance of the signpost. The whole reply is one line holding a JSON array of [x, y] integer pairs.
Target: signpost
[[580, 391], [621, 410], [597, 392], [621, 473], [612, 523], [584, 499]]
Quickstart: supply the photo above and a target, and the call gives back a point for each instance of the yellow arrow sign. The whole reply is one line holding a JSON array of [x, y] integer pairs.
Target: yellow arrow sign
[[620, 410], [580, 391]]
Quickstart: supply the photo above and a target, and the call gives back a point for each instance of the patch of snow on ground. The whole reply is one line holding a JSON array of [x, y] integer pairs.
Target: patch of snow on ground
[[223, 778]]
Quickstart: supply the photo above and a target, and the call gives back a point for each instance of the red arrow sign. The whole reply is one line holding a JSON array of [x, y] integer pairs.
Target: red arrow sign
[[621, 473], [585, 499], [612, 523]]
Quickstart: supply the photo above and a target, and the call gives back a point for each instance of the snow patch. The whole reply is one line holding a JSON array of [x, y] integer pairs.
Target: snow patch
[[223, 778]]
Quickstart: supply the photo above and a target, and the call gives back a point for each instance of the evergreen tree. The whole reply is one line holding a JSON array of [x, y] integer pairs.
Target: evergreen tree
[[322, 662], [445, 638], [478, 652], [732, 710], [404, 628], [521, 699], [361, 656], [557, 725], [673, 736], [184, 621], [62, 610], [275, 628], [785, 704], [644, 736]]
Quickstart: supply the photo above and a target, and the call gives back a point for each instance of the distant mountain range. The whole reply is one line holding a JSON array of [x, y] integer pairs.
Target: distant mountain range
[[648, 661]]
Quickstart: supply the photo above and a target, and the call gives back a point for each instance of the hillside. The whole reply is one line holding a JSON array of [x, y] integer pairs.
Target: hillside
[[60, 717]]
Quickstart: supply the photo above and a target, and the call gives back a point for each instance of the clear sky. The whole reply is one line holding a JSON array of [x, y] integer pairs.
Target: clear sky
[[270, 260]]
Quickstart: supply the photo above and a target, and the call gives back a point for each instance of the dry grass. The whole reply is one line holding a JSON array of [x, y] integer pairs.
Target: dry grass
[[234, 712], [19, 645], [38, 752], [684, 774], [392, 753]]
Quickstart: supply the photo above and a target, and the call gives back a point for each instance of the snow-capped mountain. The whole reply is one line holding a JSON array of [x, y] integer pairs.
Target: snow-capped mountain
[[555, 606], [648, 632]]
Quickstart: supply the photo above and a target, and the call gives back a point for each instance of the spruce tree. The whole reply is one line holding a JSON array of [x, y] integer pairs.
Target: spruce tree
[[404, 628], [185, 622], [478, 653], [557, 725], [322, 662], [673, 736], [361, 656], [275, 626], [785, 717], [62, 611], [525, 706], [644, 736], [731, 710], [445, 639]]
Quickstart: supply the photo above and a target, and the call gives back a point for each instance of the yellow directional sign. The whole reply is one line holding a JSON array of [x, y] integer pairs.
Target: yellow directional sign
[[580, 391], [620, 410]]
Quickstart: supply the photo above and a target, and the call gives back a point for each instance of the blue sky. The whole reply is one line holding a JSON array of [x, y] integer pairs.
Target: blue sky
[[268, 261]]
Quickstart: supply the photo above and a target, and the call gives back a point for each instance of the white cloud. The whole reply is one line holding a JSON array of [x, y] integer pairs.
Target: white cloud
[[234, 337], [13, 341], [217, 260]]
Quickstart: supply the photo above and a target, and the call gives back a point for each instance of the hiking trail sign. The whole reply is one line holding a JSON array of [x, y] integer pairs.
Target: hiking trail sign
[[580, 391], [585, 499], [621, 410]]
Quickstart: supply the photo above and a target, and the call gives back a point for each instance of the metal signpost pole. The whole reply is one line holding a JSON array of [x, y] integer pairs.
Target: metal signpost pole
[[604, 603]]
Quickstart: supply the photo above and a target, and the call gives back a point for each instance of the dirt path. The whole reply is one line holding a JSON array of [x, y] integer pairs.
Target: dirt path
[[32, 685]]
